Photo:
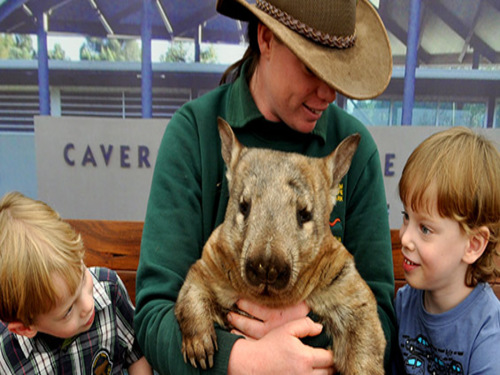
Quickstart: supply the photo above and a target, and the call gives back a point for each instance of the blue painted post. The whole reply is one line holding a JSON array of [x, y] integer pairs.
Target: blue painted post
[[43, 66], [411, 62], [147, 66]]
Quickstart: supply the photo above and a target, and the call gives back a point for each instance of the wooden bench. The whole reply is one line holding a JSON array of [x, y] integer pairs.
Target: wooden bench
[[116, 245], [112, 244]]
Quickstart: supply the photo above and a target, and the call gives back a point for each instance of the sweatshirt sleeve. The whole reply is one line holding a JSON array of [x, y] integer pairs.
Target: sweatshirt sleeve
[[173, 237]]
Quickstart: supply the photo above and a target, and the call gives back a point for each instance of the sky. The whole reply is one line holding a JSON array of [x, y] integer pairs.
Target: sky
[[226, 54]]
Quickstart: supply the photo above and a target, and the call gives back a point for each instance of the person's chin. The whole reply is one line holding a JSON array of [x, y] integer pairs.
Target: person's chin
[[305, 126]]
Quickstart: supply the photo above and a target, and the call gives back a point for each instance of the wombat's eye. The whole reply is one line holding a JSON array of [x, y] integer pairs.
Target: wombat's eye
[[245, 208], [303, 216]]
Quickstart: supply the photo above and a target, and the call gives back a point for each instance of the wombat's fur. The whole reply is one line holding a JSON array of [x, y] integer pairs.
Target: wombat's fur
[[275, 247]]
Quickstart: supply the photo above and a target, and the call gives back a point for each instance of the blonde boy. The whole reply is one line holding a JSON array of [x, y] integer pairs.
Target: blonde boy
[[56, 315], [448, 315]]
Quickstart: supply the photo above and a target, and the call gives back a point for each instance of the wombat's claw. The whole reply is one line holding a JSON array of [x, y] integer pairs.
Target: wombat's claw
[[203, 364], [200, 349]]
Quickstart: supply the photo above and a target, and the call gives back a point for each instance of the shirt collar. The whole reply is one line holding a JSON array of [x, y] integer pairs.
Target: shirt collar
[[242, 108]]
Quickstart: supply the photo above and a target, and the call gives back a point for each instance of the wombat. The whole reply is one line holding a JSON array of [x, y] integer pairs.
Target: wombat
[[275, 247]]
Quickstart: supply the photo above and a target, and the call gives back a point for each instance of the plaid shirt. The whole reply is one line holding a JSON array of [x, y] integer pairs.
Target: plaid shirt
[[108, 347]]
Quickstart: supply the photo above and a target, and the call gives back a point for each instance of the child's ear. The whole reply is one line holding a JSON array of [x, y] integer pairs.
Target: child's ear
[[21, 329], [477, 244]]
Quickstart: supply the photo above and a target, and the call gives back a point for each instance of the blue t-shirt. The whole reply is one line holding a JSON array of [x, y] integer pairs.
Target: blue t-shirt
[[464, 340]]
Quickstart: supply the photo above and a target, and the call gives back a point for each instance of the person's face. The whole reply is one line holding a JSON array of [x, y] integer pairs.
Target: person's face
[[285, 89], [73, 314], [434, 249]]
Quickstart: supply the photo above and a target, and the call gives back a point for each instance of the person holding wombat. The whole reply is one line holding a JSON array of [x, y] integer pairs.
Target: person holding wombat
[[278, 96], [448, 315]]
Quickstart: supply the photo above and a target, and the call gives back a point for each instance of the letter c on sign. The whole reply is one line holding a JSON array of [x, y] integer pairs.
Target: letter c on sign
[[69, 146]]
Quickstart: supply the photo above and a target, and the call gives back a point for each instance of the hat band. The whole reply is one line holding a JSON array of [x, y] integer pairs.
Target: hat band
[[308, 31]]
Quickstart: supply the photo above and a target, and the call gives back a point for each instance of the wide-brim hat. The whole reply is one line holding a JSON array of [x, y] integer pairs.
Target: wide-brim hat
[[343, 42]]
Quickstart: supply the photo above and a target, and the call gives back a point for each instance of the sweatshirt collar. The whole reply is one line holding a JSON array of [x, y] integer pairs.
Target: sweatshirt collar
[[242, 108]]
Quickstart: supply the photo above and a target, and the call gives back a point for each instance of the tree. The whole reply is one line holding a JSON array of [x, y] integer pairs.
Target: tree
[[57, 53], [176, 53], [98, 49], [179, 52], [6, 41], [209, 55], [16, 46]]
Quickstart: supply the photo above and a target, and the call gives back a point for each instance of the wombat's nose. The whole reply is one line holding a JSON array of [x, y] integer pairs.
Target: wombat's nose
[[274, 273]]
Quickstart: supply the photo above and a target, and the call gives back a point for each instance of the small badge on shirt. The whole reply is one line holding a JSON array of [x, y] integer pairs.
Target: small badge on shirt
[[102, 364]]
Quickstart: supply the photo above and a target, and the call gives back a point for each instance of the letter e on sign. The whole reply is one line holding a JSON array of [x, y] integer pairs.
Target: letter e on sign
[[124, 156], [388, 169]]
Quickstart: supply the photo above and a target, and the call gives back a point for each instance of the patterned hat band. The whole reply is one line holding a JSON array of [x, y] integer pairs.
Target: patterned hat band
[[308, 31]]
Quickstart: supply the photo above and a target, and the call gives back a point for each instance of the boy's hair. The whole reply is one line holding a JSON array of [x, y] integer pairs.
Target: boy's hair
[[464, 170], [35, 245]]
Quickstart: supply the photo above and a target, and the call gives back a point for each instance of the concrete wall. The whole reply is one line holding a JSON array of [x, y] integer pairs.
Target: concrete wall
[[18, 163]]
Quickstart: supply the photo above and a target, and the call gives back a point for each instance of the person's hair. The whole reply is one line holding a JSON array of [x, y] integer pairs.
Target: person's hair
[[35, 245], [251, 54], [460, 171]]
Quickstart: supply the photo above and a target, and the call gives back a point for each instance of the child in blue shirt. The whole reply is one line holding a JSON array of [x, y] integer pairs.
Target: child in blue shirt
[[448, 315]]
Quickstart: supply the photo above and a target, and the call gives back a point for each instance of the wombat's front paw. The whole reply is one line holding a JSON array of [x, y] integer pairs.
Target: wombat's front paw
[[199, 349]]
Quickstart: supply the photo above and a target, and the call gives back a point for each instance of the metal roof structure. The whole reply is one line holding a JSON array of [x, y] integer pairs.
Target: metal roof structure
[[432, 33], [103, 18], [451, 31]]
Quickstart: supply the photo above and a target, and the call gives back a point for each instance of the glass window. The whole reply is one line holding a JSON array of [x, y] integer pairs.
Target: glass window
[[472, 115], [397, 112], [370, 112], [446, 113], [424, 113]]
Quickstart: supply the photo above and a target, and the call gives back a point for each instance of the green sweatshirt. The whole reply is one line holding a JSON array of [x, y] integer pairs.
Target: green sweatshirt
[[188, 200]]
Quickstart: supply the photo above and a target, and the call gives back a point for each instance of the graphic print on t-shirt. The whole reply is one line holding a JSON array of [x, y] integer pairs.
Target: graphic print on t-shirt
[[421, 357]]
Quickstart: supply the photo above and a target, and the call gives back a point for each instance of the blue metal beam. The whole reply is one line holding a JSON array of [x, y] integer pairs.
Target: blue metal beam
[[8, 7], [147, 65], [43, 66], [411, 62]]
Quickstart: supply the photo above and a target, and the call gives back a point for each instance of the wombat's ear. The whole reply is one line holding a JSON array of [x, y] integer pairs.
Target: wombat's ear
[[230, 146], [340, 159]]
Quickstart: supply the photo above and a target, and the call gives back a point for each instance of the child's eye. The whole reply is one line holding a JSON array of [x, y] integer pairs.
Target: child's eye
[[425, 230], [405, 216], [68, 313]]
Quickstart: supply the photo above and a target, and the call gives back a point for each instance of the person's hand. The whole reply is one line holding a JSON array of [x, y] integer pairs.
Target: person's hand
[[281, 352], [266, 318]]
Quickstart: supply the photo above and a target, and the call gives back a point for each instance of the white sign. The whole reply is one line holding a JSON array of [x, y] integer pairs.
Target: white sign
[[96, 168], [395, 144]]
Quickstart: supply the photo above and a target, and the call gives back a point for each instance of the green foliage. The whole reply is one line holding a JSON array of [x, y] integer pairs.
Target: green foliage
[[97, 49], [16, 46], [209, 55], [57, 53], [176, 53], [20, 47], [180, 52]]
